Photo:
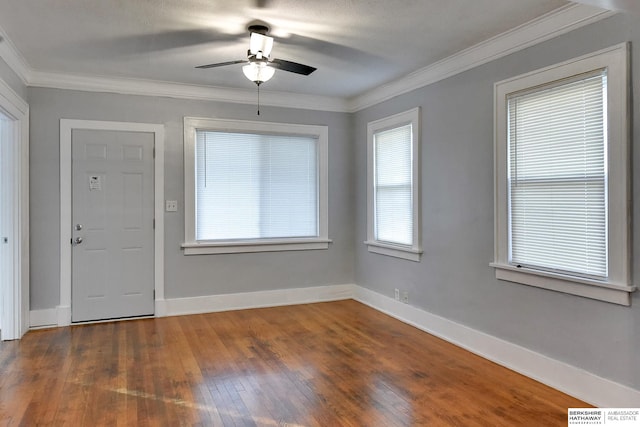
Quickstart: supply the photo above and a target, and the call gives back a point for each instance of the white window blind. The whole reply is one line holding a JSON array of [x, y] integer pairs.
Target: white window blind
[[255, 186], [393, 211], [557, 142]]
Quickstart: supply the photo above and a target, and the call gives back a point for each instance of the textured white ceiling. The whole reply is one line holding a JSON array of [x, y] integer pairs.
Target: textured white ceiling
[[355, 44]]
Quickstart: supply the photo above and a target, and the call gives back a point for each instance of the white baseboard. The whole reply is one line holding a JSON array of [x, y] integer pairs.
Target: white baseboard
[[59, 316], [245, 300], [43, 318], [561, 376]]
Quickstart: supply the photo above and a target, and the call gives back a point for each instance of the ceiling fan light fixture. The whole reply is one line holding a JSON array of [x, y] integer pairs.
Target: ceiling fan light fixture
[[260, 43], [258, 72]]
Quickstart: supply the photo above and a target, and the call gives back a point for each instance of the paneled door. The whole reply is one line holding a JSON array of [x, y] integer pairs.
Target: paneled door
[[112, 238]]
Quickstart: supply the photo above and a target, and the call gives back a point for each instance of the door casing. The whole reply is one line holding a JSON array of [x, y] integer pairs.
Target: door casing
[[15, 292], [66, 128]]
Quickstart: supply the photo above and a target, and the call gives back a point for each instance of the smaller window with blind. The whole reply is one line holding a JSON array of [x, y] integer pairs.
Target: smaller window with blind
[[393, 178], [253, 187], [562, 178]]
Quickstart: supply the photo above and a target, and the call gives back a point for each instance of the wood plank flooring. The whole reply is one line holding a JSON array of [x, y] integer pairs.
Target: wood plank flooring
[[328, 364]]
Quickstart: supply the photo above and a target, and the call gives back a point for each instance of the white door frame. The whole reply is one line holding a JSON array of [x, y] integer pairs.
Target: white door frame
[[66, 127], [15, 301]]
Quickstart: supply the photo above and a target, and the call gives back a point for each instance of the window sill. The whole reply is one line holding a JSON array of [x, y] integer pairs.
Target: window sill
[[603, 291], [274, 245], [411, 254]]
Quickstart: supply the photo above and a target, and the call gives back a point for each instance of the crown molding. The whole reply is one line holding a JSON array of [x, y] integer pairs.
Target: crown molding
[[13, 58], [548, 26], [183, 91], [12, 97]]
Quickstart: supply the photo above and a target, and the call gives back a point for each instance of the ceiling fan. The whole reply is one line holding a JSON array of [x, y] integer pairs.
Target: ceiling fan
[[260, 67]]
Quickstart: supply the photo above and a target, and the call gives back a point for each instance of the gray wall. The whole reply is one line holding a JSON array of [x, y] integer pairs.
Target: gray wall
[[185, 276], [454, 279], [12, 79]]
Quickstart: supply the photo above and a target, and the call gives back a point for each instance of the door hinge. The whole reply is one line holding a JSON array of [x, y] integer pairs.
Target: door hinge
[[154, 152], [154, 223]]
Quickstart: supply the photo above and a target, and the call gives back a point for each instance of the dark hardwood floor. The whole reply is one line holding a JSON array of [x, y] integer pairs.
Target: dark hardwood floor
[[328, 364]]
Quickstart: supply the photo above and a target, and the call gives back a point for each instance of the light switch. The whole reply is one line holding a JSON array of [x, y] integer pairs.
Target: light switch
[[171, 205]]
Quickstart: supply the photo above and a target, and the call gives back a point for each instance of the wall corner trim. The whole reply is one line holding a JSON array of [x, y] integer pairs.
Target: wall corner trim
[[569, 379]]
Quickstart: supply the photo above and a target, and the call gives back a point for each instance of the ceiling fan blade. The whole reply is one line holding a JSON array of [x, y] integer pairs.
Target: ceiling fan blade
[[292, 67], [159, 42], [261, 4], [222, 64], [330, 49]]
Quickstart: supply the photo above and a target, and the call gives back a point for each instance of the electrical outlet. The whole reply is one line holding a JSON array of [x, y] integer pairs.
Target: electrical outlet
[[397, 294], [405, 297], [171, 205]]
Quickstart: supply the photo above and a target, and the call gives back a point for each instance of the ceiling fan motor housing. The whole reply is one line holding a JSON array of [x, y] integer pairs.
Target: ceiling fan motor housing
[[258, 28]]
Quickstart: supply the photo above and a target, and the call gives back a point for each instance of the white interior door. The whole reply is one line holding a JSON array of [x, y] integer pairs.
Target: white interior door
[[112, 265]]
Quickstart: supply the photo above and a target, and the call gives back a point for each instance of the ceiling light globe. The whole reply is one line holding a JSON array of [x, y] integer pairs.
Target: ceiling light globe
[[258, 72]]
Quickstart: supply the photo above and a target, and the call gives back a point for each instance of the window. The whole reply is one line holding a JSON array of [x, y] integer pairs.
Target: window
[[562, 178], [393, 226], [253, 187]]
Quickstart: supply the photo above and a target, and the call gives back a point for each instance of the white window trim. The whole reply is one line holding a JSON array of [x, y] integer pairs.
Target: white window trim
[[617, 287], [194, 247], [409, 252]]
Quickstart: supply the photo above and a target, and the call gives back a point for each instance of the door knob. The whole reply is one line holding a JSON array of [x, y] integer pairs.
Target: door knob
[[78, 240]]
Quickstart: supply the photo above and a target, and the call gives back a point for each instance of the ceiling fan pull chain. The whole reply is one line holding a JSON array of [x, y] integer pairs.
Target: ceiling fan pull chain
[[258, 99]]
